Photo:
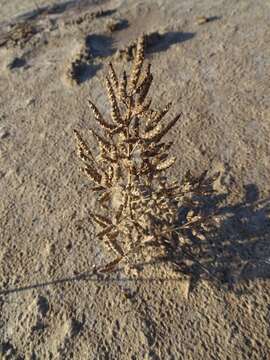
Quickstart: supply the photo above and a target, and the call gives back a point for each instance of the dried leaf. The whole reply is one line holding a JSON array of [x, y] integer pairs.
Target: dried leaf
[[101, 220], [110, 266], [106, 231], [92, 173], [137, 64], [113, 76], [123, 88], [104, 124], [166, 164], [115, 112]]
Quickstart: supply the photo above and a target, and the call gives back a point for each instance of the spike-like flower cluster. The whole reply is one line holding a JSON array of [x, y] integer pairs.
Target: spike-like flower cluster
[[140, 204]]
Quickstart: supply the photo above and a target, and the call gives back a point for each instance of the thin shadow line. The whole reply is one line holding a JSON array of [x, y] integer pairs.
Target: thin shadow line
[[47, 283], [83, 277]]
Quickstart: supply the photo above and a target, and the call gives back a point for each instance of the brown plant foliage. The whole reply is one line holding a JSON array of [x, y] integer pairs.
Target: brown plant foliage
[[140, 203]]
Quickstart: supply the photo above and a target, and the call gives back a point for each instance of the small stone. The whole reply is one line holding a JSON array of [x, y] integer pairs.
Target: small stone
[[202, 20], [30, 101]]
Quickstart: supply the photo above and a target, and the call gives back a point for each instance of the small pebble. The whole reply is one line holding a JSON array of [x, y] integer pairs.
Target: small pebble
[[30, 101], [202, 20]]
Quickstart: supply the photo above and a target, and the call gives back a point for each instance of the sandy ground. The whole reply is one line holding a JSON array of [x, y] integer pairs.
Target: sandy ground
[[217, 74]]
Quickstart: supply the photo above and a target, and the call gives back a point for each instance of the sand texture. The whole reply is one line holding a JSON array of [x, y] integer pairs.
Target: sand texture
[[216, 70]]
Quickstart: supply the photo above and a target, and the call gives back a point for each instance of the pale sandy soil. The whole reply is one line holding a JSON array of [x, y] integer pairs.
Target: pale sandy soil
[[217, 74]]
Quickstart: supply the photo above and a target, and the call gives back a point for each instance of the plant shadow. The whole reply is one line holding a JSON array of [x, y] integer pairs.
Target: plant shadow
[[235, 250], [99, 45], [87, 71]]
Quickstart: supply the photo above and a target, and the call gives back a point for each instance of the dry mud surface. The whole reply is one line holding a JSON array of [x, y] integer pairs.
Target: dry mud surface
[[217, 74]]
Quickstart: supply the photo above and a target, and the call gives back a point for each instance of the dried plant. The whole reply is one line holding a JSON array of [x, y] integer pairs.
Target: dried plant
[[140, 204]]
